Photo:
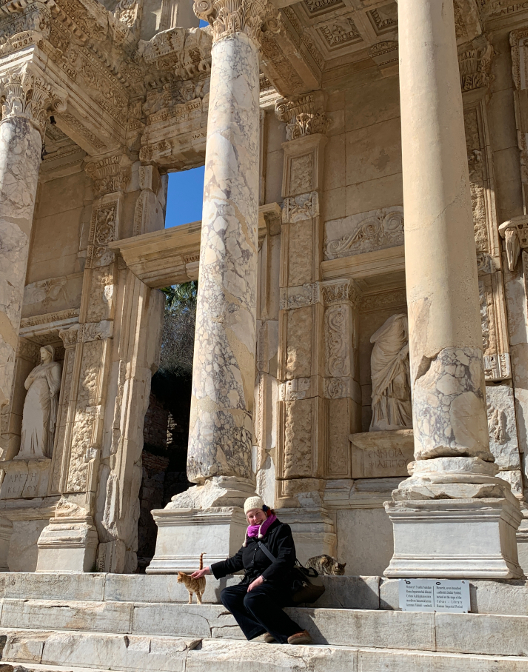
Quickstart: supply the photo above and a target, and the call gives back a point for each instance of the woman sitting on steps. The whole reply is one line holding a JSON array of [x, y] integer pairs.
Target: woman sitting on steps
[[257, 601]]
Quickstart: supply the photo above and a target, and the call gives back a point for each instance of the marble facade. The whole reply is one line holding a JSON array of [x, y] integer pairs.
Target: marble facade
[[330, 211]]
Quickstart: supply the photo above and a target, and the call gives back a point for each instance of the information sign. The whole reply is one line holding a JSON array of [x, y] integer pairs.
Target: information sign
[[434, 595]]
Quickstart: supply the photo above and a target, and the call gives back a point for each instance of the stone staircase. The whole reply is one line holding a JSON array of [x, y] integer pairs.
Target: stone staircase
[[76, 622]]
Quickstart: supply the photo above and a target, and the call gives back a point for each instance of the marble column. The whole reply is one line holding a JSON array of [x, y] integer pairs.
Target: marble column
[[221, 422], [453, 517], [25, 111]]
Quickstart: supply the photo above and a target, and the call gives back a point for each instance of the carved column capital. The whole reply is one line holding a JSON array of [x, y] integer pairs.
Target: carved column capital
[[228, 17], [28, 95], [304, 115], [110, 174]]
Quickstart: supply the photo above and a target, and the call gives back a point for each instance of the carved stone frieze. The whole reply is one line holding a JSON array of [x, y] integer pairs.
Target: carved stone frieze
[[48, 318], [103, 230], [375, 230], [229, 17], [303, 115], [337, 341], [29, 96], [28, 350]]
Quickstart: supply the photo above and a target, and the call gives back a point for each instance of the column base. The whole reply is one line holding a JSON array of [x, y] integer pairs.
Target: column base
[[67, 545], [206, 519], [183, 534], [454, 519]]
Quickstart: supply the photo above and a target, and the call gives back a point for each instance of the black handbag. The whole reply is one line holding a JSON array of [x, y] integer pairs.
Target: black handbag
[[303, 590]]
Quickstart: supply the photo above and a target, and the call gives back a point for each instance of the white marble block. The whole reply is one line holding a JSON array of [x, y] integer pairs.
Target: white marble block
[[183, 534], [67, 546], [455, 538]]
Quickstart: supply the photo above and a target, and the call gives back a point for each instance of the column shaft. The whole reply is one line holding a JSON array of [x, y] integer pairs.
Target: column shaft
[[447, 374], [221, 429], [20, 150]]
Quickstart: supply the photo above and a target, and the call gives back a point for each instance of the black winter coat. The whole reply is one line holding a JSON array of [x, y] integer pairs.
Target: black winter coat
[[279, 541]]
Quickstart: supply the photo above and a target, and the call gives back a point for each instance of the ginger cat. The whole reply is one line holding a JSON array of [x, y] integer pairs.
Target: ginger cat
[[196, 586]]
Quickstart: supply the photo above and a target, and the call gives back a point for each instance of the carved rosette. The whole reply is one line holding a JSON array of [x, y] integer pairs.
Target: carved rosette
[[29, 96], [303, 115], [228, 17]]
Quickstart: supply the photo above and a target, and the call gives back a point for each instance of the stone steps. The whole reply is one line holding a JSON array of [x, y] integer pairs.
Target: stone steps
[[342, 592], [458, 633], [82, 652], [112, 622]]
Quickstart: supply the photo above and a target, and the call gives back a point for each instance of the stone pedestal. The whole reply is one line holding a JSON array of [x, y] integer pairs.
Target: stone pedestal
[[453, 500], [456, 522], [183, 535], [67, 546]]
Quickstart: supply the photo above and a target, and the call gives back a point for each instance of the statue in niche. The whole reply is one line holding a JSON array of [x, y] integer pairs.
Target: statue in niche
[[40, 407], [389, 364]]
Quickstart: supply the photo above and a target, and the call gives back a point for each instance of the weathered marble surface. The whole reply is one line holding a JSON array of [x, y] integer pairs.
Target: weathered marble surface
[[224, 360], [20, 147], [449, 406]]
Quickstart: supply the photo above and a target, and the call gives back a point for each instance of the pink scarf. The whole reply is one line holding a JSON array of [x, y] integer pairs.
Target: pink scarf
[[260, 530]]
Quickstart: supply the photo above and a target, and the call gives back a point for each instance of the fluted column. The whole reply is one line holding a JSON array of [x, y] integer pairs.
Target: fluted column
[[221, 425], [436, 512], [27, 105]]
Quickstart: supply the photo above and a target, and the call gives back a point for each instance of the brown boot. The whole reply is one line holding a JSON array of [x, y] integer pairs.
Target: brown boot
[[269, 639], [300, 638]]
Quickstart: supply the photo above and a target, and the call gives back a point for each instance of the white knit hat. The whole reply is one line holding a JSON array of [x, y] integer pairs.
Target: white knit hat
[[253, 503]]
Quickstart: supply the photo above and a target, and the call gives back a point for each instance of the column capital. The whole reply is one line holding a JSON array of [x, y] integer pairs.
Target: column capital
[[304, 115], [228, 17], [27, 95]]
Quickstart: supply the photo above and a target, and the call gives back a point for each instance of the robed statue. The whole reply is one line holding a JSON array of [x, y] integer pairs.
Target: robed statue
[[40, 407], [389, 364]]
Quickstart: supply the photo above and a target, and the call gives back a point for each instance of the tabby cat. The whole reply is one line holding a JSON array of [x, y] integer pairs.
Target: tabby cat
[[325, 564], [196, 586]]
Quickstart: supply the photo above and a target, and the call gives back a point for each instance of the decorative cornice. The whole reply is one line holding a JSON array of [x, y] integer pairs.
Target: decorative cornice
[[228, 17], [304, 115], [28, 96]]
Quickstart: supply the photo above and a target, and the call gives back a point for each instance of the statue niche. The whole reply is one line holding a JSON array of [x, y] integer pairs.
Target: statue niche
[[40, 407], [389, 364]]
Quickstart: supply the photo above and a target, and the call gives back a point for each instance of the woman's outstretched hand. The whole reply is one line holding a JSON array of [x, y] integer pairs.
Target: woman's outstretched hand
[[200, 572], [257, 582]]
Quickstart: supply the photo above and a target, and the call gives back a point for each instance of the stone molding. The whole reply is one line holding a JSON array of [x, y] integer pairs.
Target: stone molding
[[299, 297], [303, 115], [29, 96], [229, 17]]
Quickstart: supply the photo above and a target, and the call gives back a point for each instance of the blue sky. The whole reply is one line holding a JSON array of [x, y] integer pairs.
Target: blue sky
[[184, 197], [185, 193]]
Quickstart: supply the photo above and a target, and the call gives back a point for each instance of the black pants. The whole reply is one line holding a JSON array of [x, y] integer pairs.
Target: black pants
[[259, 611]]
